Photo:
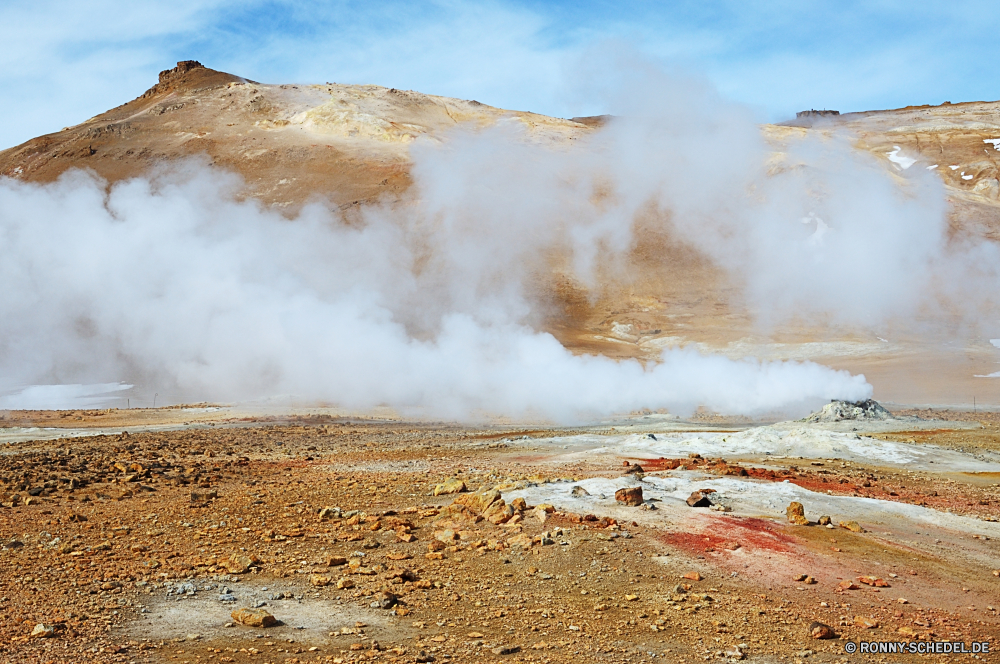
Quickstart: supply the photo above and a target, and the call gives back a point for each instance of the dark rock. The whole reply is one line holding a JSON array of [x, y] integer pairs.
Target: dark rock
[[698, 499], [506, 650]]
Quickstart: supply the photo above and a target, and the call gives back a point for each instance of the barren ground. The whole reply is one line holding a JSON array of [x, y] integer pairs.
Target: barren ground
[[121, 522]]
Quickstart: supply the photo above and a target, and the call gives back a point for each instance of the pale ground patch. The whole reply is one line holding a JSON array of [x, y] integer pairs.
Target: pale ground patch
[[307, 621], [794, 440]]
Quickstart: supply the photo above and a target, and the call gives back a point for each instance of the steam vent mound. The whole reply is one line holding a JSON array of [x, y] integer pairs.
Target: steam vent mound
[[837, 411]]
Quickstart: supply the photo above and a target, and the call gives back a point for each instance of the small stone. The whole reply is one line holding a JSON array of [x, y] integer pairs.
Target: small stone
[[694, 576], [853, 526], [873, 581], [903, 600], [386, 600], [865, 622], [335, 561], [734, 652], [506, 650], [796, 514], [698, 499], [319, 580], [825, 521], [480, 501], [328, 513], [519, 504], [345, 583], [446, 535], [579, 491], [630, 496], [522, 540], [631, 598], [42, 631], [818, 630], [450, 486], [633, 469], [240, 563], [253, 617], [847, 584]]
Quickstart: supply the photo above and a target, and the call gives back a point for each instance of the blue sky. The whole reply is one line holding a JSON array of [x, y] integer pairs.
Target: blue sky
[[64, 61]]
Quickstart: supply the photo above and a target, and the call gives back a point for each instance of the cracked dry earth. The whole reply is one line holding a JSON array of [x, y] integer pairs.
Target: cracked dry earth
[[138, 548]]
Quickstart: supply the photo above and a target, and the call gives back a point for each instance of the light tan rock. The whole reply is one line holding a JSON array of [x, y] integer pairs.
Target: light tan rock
[[253, 617], [796, 514], [42, 631], [450, 486]]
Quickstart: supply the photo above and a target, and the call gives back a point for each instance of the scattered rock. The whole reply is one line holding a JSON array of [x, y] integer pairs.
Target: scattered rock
[[385, 600], [630, 496], [694, 576], [818, 630], [204, 496], [865, 622], [699, 499], [240, 563], [633, 469], [345, 583], [579, 491], [873, 581], [450, 486], [847, 584], [506, 650], [328, 513], [480, 501], [253, 617], [825, 521], [796, 514], [853, 526], [319, 580], [519, 504], [43, 631], [521, 540]]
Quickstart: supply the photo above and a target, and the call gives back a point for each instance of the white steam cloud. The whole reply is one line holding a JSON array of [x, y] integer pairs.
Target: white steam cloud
[[173, 282]]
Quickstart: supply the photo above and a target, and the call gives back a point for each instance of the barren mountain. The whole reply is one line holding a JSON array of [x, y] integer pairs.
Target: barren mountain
[[349, 144]]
